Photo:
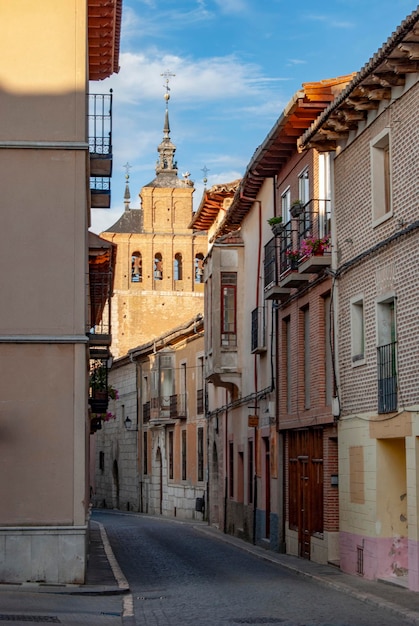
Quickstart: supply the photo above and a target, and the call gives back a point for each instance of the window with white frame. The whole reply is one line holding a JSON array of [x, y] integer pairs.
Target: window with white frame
[[381, 176], [304, 186], [357, 330], [286, 205]]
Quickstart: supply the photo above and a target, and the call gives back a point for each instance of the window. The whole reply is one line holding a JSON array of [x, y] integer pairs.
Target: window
[[270, 263], [101, 461], [258, 331], [145, 453], [162, 382], [177, 267], [357, 331], [200, 386], [304, 187], [170, 460], [181, 404], [200, 454], [328, 343], [158, 266], [288, 364], [307, 357], [136, 268], [285, 206], [228, 309], [199, 268], [183, 454], [386, 356], [231, 468], [240, 476], [250, 472], [381, 176]]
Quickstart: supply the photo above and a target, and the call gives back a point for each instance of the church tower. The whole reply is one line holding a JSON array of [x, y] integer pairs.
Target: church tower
[[158, 281]]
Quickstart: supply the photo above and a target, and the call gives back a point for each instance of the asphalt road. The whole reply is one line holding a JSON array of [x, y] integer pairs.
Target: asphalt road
[[181, 576]]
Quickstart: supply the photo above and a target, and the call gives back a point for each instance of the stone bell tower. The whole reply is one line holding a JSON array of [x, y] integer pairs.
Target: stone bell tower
[[158, 281]]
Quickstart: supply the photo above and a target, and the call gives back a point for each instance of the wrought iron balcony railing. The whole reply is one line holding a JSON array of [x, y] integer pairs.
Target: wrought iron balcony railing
[[313, 222], [99, 307], [178, 405], [387, 378], [100, 149], [100, 124]]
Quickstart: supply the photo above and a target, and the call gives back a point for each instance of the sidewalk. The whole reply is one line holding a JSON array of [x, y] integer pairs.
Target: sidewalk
[[100, 602], [394, 598]]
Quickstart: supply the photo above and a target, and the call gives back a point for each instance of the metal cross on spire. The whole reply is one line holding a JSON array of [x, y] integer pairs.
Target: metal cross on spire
[[127, 168], [167, 75], [205, 179]]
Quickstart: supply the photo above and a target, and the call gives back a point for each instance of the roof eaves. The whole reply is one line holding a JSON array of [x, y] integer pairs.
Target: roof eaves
[[366, 70]]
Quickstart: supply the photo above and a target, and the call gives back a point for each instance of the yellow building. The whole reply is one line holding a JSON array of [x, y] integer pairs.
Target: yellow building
[[50, 51]]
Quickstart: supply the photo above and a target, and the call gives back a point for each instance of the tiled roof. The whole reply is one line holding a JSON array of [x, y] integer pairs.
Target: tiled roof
[[281, 143], [104, 33]]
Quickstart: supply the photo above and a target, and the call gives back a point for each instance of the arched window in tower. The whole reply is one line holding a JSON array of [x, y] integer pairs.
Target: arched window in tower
[[136, 267], [158, 266], [199, 268], [177, 267]]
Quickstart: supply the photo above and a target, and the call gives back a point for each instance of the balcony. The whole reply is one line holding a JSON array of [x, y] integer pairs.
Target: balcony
[[160, 410], [387, 378], [272, 289], [99, 292], [100, 193], [286, 266], [178, 406], [100, 149]]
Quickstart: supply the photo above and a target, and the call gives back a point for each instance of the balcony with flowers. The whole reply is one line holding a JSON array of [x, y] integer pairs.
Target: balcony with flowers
[[302, 247]]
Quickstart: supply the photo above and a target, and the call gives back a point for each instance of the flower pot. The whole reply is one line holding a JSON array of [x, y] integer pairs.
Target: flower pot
[[277, 229], [296, 210]]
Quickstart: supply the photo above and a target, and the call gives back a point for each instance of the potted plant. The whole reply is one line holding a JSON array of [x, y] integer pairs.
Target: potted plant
[[297, 207], [100, 391], [312, 246], [276, 224], [293, 257]]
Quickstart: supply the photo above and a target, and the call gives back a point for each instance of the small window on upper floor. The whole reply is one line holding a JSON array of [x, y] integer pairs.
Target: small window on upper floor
[[136, 267], [286, 205], [304, 187], [381, 177], [357, 331]]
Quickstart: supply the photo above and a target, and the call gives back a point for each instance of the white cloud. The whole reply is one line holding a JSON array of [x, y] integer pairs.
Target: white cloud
[[329, 20], [232, 6]]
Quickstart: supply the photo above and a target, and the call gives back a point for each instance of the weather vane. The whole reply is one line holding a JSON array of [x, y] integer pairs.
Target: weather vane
[[205, 179], [167, 75]]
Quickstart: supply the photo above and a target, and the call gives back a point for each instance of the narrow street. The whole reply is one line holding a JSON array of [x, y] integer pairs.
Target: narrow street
[[179, 574]]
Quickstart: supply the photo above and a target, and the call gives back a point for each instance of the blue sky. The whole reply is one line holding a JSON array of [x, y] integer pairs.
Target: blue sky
[[237, 63]]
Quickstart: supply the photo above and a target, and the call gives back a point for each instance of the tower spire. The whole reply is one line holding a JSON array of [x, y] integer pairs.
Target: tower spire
[[166, 163], [127, 194]]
